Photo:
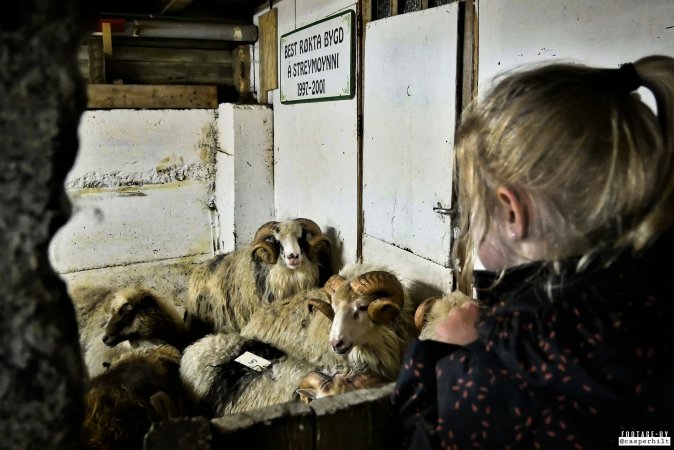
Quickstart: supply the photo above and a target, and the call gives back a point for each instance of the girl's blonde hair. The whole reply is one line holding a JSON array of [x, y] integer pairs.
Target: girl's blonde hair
[[590, 158]]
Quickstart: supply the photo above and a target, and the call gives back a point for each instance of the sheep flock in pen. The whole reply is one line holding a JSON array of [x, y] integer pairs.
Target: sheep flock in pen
[[314, 334]]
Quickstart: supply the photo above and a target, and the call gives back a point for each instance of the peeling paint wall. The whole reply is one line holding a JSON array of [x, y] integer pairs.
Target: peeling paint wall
[[144, 191]]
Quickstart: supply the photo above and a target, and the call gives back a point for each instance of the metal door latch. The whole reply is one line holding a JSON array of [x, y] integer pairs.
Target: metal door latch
[[445, 211]]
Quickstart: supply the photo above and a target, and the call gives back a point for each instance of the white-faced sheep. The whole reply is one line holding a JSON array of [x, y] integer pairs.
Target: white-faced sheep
[[112, 322], [283, 259], [141, 387], [434, 309], [294, 338]]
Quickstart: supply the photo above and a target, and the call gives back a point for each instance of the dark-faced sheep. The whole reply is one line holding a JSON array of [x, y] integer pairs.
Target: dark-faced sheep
[[295, 338], [112, 321], [283, 259], [141, 386]]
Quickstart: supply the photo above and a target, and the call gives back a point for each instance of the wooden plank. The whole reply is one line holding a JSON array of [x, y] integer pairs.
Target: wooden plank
[[241, 69], [114, 96], [268, 36], [286, 426], [175, 55], [365, 13], [476, 47], [356, 420], [184, 433], [424, 4], [107, 38], [468, 54], [144, 72], [96, 60], [192, 44], [394, 7]]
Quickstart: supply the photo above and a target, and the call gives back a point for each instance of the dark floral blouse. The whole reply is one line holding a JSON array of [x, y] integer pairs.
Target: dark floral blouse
[[562, 361]]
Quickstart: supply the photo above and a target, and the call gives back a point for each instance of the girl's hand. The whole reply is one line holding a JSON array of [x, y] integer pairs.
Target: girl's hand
[[460, 325]]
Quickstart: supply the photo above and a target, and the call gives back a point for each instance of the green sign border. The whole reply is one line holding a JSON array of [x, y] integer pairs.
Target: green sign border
[[352, 75]]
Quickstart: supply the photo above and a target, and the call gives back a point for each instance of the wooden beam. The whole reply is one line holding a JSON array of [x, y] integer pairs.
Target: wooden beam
[[119, 96], [394, 7], [284, 426], [173, 55], [107, 38], [469, 52], [153, 72], [96, 60], [241, 68], [365, 13], [268, 36]]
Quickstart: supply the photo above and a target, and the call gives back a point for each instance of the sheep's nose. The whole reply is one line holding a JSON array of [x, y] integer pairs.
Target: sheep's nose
[[338, 346], [293, 255]]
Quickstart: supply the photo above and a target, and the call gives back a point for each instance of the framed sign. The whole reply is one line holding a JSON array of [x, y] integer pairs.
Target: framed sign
[[317, 61]]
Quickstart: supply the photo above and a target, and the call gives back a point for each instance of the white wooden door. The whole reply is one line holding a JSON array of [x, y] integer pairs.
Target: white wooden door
[[409, 121]]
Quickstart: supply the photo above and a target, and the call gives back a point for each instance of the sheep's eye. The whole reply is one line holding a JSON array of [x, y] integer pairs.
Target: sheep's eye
[[362, 308]]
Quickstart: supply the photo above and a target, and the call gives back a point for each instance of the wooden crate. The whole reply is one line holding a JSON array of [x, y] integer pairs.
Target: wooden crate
[[356, 420]]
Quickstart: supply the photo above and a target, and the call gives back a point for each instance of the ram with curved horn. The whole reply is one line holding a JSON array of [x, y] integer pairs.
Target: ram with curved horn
[[434, 309], [357, 307], [365, 307], [283, 259]]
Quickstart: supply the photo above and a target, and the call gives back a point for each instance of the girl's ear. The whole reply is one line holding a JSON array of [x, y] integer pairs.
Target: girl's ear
[[515, 213]]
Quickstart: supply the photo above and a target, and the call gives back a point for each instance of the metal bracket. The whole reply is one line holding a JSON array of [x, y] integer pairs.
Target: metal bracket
[[445, 211]]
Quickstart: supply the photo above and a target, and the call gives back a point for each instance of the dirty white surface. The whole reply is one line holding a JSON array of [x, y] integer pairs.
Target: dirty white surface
[[245, 172], [598, 32], [121, 226], [143, 190], [409, 120]]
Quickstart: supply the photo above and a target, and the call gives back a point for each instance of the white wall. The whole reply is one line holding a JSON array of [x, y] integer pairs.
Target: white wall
[[140, 189], [598, 32], [244, 187], [149, 200], [315, 147]]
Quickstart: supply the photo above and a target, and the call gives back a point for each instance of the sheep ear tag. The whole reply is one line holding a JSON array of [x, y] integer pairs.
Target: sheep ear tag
[[252, 361]]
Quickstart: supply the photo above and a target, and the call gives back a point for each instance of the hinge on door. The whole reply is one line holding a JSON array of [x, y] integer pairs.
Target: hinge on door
[[359, 125]]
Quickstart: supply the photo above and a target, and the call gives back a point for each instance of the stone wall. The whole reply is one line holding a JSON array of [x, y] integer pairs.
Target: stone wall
[[41, 99]]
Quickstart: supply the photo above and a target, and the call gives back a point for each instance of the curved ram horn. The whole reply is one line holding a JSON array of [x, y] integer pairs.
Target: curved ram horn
[[319, 249], [324, 307], [265, 231], [263, 250], [333, 283], [387, 287], [423, 309], [383, 310], [310, 226]]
